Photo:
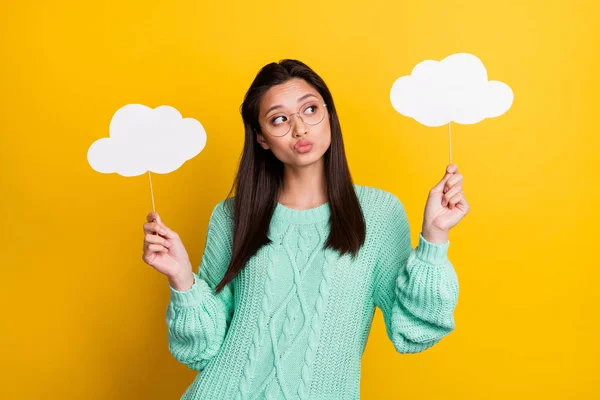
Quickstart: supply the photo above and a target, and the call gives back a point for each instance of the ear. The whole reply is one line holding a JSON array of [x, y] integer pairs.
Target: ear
[[261, 140]]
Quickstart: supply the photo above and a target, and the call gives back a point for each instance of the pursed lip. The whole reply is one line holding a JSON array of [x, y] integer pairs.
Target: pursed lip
[[300, 143]]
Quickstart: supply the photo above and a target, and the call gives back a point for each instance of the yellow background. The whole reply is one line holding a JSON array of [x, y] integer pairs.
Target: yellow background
[[83, 316]]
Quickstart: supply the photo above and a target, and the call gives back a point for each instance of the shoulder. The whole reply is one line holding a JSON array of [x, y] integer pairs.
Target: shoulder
[[383, 211], [378, 202], [221, 216], [224, 208]]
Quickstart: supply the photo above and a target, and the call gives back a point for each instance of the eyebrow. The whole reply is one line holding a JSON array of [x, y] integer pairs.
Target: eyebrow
[[299, 99]]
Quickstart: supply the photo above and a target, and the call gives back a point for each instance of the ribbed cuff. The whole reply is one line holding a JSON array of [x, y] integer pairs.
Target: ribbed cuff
[[193, 296], [433, 253]]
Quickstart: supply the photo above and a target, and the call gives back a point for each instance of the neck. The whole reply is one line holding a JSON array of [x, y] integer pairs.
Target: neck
[[304, 187]]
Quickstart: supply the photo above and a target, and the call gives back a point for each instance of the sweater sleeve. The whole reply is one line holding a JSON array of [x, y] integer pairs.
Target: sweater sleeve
[[416, 289], [198, 318]]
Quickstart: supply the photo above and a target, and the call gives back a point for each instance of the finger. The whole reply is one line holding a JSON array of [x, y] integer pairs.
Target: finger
[[448, 195], [152, 216], [465, 204], [451, 170], [154, 227], [167, 232], [157, 247], [456, 178], [149, 227], [455, 199], [442, 183], [157, 240]]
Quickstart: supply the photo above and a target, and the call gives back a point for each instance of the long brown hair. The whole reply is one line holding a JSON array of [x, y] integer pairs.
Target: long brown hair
[[260, 176]]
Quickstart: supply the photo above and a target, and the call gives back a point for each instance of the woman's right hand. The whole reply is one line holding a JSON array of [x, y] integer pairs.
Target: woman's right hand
[[164, 251]]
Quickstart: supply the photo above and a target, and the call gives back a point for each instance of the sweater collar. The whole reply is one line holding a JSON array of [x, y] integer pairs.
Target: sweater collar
[[309, 215]]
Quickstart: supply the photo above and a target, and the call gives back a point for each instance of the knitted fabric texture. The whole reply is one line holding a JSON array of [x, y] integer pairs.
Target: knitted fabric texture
[[294, 323]]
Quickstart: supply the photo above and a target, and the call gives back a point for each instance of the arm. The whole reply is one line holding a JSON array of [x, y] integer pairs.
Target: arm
[[416, 289], [198, 318]]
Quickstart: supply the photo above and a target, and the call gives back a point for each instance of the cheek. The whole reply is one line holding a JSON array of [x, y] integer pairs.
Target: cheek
[[325, 136], [281, 149]]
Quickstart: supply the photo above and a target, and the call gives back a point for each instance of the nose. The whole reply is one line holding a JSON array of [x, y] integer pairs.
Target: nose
[[298, 126]]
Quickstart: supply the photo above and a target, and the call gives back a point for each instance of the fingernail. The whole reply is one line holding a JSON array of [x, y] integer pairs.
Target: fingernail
[[163, 232]]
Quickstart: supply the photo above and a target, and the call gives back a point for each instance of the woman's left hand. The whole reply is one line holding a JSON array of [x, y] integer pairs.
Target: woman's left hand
[[446, 205]]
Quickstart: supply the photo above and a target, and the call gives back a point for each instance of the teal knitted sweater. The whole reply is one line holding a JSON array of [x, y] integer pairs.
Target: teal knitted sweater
[[294, 323]]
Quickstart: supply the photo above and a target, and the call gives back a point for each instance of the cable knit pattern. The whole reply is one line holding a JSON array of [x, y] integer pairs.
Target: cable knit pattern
[[309, 357], [263, 319], [293, 324]]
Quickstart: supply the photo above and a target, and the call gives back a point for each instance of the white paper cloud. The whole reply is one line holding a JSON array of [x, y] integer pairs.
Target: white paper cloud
[[454, 89], [144, 139]]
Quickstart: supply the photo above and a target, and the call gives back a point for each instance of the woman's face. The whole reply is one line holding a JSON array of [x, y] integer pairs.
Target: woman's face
[[274, 111]]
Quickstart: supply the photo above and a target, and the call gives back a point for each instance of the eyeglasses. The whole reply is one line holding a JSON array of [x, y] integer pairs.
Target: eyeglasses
[[310, 113]]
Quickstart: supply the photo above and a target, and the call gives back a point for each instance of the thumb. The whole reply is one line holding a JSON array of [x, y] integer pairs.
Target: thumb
[[170, 233], [450, 169]]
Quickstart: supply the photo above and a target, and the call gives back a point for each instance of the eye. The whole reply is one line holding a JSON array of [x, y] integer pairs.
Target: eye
[[278, 119], [311, 109]]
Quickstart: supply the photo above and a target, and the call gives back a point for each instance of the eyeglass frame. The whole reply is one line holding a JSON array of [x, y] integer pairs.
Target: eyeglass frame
[[299, 116]]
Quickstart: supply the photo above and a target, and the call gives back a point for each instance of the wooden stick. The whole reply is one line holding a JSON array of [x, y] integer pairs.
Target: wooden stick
[[450, 140], [151, 191]]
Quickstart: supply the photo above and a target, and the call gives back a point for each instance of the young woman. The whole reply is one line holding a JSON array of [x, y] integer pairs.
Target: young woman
[[296, 262]]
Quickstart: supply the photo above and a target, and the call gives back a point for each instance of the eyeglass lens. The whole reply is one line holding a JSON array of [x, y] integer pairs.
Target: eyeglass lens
[[310, 113]]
